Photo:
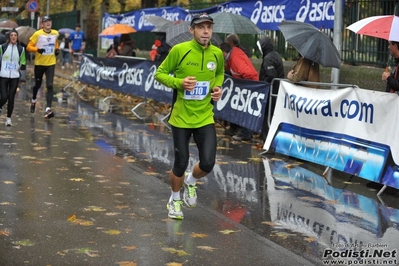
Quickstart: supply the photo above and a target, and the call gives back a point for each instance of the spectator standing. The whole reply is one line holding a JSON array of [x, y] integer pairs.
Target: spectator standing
[[235, 130], [163, 49], [113, 48], [127, 46], [77, 46], [240, 66], [305, 70], [392, 79], [13, 59], [198, 74], [154, 50], [234, 41], [44, 43], [65, 51], [272, 67]]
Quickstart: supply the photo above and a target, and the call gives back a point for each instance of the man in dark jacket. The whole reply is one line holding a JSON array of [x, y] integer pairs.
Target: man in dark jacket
[[272, 67], [392, 78]]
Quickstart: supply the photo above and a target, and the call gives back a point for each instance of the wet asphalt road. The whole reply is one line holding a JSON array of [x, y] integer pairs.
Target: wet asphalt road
[[90, 188]]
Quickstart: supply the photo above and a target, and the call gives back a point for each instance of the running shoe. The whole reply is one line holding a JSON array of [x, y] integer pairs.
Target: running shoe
[[190, 195], [174, 207], [8, 122], [49, 114], [32, 107]]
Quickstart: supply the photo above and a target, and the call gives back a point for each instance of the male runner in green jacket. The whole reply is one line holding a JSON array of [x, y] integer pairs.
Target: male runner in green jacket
[[195, 70]]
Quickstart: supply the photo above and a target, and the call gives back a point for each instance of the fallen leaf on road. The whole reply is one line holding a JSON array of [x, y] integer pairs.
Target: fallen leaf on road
[[255, 159], [269, 223], [310, 239], [195, 235], [112, 232], [206, 248], [120, 207], [5, 232], [25, 243], [94, 209], [112, 213], [6, 203], [70, 140], [75, 220], [39, 148], [8, 182], [129, 247], [28, 157], [228, 232], [150, 173], [126, 263], [175, 263], [178, 252], [282, 235], [76, 179]]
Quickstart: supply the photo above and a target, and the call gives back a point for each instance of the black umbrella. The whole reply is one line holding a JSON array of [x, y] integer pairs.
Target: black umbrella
[[160, 23], [233, 23], [181, 32], [311, 43]]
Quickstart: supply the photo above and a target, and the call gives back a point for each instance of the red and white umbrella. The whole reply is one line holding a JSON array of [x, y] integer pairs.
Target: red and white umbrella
[[384, 27]]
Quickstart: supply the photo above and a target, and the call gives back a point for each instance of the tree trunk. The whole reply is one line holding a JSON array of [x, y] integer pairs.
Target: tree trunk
[[149, 3]]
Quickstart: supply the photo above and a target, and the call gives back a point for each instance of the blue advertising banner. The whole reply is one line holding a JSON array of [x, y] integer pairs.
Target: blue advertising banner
[[243, 101], [130, 76], [267, 14]]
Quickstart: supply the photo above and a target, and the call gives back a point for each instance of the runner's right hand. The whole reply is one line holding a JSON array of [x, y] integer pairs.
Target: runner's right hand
[[189, 83], [40, 51]]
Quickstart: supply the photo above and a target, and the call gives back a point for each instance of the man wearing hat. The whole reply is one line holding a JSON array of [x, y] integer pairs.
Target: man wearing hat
[[77, 44], [198, 74], [44, 43]]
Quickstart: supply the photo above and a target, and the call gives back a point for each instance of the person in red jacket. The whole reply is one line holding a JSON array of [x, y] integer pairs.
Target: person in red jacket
[[238, 65]]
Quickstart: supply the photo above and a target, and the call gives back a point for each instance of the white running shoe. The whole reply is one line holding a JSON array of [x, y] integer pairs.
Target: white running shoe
[[8, 122], [190, 195], [174, 207]]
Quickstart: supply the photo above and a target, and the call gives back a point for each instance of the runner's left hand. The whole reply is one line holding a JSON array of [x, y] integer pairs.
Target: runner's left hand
[[216, 93]]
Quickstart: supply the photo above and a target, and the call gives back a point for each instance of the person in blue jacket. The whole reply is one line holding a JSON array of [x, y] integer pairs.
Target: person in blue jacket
[[77, 45]]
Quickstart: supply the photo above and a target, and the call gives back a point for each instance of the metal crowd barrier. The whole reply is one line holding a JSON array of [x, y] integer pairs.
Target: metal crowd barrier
[[76, 60], [141, 104]]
